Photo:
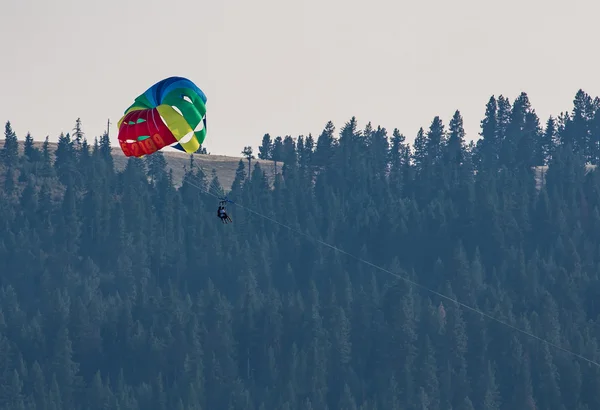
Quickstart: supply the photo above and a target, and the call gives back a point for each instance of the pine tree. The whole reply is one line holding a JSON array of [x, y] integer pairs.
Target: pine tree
[[491, 395], [105, 152], [455, 150], [547, 143], [65, 163], [78, 134], [309, 150], [420, 151], [266, 148], [277, 152], [65, 369], [503, 117], [488, 148], [435, 140], [399, 162], [577, 129], [325, 146], [31, 152], [594, 143], [514, 136], [10, 150], [247, 152], [289, 153], [157, 166], [46, 167], [238, 181]]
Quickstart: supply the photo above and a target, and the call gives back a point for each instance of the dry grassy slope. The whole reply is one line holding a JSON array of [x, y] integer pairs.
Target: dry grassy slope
[[224, 166]]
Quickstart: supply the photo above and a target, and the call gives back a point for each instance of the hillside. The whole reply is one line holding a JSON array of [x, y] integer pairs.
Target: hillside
[[131, 295], [225, 166], [120, 293]]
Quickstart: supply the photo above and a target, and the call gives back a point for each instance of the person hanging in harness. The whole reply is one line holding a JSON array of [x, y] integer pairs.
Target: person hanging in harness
[[222, 213]]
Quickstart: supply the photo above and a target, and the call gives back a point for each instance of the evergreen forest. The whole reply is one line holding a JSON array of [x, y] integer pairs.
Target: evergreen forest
[[369, 273]]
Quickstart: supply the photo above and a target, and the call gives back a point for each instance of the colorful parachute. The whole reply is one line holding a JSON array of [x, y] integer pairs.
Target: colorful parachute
[[170, 113]]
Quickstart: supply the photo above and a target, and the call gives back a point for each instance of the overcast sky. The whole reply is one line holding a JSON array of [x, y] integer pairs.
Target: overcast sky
[[287, 67]]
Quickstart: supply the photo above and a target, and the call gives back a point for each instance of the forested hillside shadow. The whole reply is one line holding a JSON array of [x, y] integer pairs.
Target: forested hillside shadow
[[367, 273]]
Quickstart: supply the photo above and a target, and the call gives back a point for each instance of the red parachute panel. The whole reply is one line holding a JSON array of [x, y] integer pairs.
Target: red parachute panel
[[144, 123]]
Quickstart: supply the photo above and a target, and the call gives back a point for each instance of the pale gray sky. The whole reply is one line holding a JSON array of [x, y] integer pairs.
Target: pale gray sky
[[287, 67]]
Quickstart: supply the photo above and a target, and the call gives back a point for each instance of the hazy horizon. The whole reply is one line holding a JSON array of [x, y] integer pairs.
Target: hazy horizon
[[286, 68]]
